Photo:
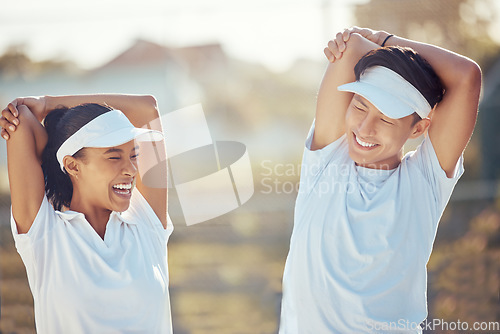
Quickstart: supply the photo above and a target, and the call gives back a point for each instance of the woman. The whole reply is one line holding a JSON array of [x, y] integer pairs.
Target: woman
[[91, 234]]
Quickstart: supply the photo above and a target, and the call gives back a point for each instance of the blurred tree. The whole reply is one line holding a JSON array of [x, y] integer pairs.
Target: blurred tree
[[15, 63], [465, 273], [489, 118], [462, 26]]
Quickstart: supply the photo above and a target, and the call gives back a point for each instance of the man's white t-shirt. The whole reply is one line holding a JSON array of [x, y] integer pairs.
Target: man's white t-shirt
[[84, 284], [361, 242]]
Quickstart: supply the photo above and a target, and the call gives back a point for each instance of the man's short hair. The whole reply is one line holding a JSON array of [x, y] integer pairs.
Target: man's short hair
[[410, 65]]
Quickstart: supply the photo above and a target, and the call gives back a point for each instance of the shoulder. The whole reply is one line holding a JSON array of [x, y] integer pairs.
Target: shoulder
[[424, 161], [338, 147], [315, 162], [46, 217], [141, 212]]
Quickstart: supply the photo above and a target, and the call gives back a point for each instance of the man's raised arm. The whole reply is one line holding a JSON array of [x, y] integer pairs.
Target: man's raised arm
[[343, 53]]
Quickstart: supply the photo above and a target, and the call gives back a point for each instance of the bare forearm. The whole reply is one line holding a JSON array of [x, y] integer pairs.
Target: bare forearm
[[342, 70], [454, 117], [331, 104], [29, 131], [26, 181], [140, 109], [451, 68]]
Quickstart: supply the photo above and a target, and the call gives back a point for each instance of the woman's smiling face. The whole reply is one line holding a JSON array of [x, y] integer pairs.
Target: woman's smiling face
[[107, 176], [375, 140]]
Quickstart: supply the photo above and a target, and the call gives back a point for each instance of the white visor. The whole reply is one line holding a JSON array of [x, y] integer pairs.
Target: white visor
[[389, 92], [107, 130]]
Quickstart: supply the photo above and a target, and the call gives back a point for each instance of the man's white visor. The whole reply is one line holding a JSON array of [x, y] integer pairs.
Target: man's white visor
[[107, 130], [389, 92]]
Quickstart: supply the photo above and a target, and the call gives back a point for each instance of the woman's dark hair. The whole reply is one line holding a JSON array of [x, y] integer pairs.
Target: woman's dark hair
[[60, 124], [410, 65]]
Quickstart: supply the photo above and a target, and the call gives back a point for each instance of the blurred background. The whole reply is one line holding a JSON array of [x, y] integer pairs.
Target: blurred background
[[255, 66]]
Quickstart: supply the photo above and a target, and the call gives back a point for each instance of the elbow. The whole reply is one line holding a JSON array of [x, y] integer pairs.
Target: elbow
[[151, 105], [356, 40], [470, 75], [473, 73], [356, 47], [356, 44], [150, 102], [27, 123]]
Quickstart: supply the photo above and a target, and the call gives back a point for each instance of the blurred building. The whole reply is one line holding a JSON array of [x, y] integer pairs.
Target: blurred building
[[144, 68], [242, 101]]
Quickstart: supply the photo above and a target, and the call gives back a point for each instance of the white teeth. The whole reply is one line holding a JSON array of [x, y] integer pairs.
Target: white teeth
[[123, 186], [362, 143]]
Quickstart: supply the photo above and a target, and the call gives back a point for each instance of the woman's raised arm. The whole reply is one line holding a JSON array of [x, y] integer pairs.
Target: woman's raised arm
[[24, 152], [140, 110]]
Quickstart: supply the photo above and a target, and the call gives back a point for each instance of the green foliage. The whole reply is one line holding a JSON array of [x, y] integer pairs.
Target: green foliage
[[465, 273], [16, 63], [460, 25]]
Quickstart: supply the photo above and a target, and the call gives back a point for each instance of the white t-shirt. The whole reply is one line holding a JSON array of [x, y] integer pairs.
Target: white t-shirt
[[84, 284], [361, 241]]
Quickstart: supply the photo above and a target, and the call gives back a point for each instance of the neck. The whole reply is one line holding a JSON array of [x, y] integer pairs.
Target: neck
[[387, 164], [97, 217]]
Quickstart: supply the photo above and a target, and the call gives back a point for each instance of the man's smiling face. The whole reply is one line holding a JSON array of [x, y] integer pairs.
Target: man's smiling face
[[375, 140]]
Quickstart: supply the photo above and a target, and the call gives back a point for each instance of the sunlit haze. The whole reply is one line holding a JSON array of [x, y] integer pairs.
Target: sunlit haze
[[274, 32]]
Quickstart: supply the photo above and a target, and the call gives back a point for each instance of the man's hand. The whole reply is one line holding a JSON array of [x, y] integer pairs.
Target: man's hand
[[337, 46], [375, 36]]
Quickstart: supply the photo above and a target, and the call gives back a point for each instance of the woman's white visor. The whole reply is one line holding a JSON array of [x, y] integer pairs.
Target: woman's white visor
[[107, 130]]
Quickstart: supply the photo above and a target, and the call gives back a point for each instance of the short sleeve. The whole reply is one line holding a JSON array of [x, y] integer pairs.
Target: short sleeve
[[315, 162], [426, 160], [141, 212], [42, 225]]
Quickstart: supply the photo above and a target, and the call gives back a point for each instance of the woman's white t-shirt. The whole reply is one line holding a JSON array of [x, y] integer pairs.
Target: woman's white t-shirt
[[361, 241], [84, 284]]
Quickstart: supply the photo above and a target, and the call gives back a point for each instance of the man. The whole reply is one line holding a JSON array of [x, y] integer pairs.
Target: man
[[366, 214]]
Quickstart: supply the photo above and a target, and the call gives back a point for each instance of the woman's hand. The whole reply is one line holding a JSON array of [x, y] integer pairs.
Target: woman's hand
[[9, 119]]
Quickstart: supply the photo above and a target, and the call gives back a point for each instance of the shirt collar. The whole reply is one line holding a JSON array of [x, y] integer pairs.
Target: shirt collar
[[70, 215]]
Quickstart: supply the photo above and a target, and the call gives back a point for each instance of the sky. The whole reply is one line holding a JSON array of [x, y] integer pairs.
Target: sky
[[91, 32]]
